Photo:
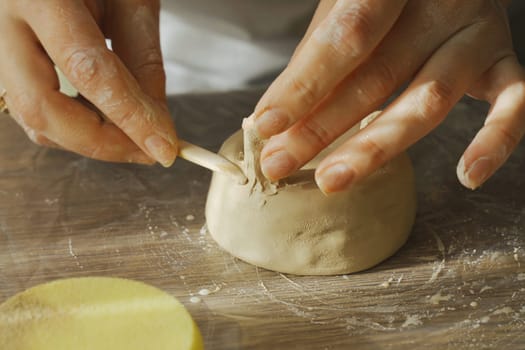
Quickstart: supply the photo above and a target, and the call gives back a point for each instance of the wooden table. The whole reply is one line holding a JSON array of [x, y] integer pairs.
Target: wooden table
[[458, 283]]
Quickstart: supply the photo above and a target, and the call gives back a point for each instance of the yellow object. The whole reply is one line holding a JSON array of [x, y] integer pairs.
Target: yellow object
[[96, 313]]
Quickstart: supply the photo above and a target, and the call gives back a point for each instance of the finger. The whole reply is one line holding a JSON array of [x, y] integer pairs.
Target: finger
[[436, 88], [394, 61], [48, 116], [320, 14], [337, 46], [24, 38], [136, 40], [41, 140], [34, 136], [75, 43], [78, 129], [504, 86]]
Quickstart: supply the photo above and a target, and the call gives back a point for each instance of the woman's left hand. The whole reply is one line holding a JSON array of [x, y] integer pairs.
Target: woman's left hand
[[356, 53]]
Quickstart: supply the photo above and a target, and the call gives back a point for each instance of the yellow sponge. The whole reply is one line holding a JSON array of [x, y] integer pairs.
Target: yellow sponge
[[96, 313]]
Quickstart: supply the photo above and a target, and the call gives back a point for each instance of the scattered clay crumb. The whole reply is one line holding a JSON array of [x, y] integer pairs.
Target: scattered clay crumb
[[474, 304], [73, 255], [386, 283], [440, 245], [190, 217], [412, 320], [204, 292], [163, 234], [195, 300], [485, 288], [51, 201], [521, 276], [504, 310], [399, 279], [496, 256], [438, 297], [436, 270], [484, 319]]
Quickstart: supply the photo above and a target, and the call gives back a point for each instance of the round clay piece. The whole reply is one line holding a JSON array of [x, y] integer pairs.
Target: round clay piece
[[96, 313], [292, 227]]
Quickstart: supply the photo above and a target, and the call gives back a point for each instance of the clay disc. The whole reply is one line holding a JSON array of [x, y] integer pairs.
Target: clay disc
[[96, 313]]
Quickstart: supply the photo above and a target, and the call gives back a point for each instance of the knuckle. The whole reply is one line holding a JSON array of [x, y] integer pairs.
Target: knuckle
[[434, 101], [28, 110], [305, 91], [82, 65], [314, 134], [352, 28], [86, 65], [376, 153], [127, 119], [378, 83], [130, 120], [149, 61]]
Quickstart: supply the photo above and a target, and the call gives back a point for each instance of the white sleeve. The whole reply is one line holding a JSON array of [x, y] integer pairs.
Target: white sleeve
[[226, 44]]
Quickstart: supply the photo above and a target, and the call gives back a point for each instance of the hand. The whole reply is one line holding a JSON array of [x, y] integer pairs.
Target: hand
[[356, 53], [126, 85]]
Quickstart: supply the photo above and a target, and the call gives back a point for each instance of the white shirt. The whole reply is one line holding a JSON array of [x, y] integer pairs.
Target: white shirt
[[228, 44]]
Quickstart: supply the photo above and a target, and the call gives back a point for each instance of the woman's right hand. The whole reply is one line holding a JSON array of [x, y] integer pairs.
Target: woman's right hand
[[126, 84]]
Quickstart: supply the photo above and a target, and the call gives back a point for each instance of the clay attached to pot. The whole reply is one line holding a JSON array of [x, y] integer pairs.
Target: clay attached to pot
[[292, 227]]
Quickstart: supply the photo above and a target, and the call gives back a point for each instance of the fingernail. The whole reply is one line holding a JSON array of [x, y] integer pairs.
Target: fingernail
[[460, 172], [271, 122], [278, 165], [140, 157], [478, 172], [335, 178], [161, 150]]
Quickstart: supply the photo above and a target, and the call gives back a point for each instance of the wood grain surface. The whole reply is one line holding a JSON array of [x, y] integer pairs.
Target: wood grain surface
[[459, 282]]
